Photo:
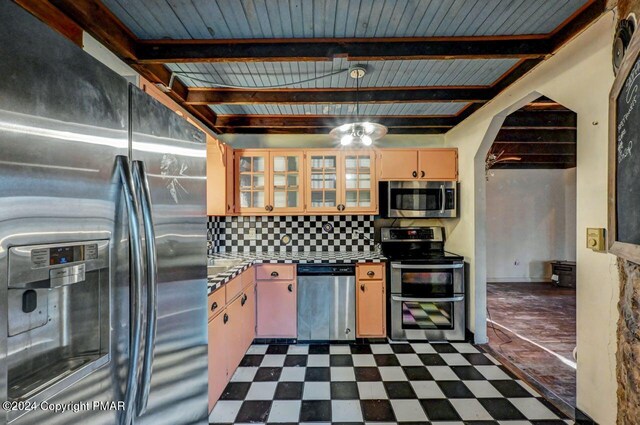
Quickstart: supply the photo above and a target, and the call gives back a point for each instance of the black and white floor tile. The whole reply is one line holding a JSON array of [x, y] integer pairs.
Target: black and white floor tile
[[417, 383]]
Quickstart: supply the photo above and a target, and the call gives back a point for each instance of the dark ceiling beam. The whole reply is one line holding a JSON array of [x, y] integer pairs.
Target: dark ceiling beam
[[98, 21], [308, 121], [198, 96], [53, 17], [538, 119], [516, 149], [173, 51], [575, 24], [536, 136], [534, 166]]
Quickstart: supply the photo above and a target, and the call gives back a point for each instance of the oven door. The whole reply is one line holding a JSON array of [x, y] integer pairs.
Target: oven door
[[422, 199], [432, 319], [427, 280]]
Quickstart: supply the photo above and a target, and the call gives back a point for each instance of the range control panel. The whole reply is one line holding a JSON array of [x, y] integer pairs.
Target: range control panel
[[426, 234]]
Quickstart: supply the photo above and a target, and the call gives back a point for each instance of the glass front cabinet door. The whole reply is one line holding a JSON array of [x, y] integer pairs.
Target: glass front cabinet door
[[287, 182], [341, 182], [252, 181], [323, 181], [359, 192]]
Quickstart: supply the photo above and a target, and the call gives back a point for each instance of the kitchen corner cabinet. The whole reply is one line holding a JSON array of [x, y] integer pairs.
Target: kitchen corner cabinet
[[269, 182], [220, 184], [231, 330], [340, 182], [276, 301], [421, 164], [371, 305]]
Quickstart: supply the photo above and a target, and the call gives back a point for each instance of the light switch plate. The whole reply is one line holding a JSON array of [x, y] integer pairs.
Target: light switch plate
[[595, 239]]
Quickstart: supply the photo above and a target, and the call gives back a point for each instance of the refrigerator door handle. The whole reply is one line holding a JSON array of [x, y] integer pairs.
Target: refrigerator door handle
[[140, 178], [135, 249]]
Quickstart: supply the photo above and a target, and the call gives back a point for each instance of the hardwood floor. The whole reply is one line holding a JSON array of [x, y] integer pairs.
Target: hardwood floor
[[533, 326]]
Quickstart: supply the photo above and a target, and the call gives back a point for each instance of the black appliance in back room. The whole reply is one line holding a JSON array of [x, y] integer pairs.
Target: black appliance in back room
[[426, 285]]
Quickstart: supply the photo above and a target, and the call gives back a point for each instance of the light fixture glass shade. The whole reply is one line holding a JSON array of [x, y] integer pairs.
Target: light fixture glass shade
[[363, 132]]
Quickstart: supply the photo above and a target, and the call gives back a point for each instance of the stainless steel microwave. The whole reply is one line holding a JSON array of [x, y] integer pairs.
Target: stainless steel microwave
[[417, 199]]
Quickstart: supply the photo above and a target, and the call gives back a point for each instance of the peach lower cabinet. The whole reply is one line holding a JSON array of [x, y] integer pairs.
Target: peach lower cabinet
[[262, 302], [371, 303], [232, 324]]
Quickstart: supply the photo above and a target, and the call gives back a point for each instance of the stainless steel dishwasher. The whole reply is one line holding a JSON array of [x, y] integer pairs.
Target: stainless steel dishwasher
[[326, 302]]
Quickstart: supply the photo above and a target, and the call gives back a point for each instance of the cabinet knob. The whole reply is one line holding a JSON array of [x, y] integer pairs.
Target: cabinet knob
[[422, 174], [371, 273], [214, 306], [225, 318], [414, 174], [243, 299], [228, 207], [290, 287], [362, 287], [269, 208], [275, 274], [340, 207]]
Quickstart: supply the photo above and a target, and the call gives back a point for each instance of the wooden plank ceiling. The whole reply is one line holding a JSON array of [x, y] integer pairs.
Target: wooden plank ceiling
[[542, 134], [279, 66]]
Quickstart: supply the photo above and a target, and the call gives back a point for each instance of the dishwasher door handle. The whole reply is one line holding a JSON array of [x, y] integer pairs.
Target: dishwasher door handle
[[457, 298]]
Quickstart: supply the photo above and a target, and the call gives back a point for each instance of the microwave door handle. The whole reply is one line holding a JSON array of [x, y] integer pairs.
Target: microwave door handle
[[142, 181], [442, 199], [135, 279], [429, 300], [426, 266]]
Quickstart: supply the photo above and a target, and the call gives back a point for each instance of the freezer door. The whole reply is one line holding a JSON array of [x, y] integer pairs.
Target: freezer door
[[63, 121], [173, 154]]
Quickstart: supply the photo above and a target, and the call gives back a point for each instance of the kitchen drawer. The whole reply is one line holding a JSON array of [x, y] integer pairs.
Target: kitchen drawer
[[275, 272], [370, 271], [234, 287], [248, 276], [216, 302]]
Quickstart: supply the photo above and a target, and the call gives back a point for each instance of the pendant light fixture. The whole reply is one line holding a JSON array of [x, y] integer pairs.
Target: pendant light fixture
[[363, 132]]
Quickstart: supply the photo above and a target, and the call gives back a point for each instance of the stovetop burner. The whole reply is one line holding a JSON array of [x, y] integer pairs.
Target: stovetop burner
[[421, 256], [416, 244]]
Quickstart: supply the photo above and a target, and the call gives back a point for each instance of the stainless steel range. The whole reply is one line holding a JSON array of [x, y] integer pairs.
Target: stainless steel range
[[427, 285]]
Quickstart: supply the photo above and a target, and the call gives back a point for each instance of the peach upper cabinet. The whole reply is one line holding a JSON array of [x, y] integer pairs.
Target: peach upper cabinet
[[220, 187], [421, 164], [340, 182], [269, 182]]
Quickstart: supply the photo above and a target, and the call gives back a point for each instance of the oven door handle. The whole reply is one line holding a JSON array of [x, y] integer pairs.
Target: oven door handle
[[457, 298], [427, 266]]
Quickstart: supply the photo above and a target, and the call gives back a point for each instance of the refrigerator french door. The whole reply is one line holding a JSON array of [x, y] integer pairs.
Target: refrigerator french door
[[102, 242]]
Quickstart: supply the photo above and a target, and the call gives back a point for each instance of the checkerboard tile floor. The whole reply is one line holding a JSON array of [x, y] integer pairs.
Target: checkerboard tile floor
[[417, 383]]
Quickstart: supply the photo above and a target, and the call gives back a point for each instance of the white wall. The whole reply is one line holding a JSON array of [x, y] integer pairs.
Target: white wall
[[579, 76], [528, 223]]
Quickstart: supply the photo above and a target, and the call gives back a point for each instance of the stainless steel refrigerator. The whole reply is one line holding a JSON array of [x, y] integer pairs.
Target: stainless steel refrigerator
[[102, 242]]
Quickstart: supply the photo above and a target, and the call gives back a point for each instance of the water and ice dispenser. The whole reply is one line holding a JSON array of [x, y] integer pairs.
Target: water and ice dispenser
[[58, 316]]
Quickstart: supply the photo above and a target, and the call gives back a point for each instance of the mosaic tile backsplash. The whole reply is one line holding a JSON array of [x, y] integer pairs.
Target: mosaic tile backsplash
[[291, 233]]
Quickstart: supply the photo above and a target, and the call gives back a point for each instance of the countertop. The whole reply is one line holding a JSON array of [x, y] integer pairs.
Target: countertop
[[247, 260]]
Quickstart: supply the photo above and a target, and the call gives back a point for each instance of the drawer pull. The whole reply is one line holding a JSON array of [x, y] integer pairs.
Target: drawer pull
[[214, 306], [371, 273], [225, 318], [290, 287], [243, 299], [275, 274]]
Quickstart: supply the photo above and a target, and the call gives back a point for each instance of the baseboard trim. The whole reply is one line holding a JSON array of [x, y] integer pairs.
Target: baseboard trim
[[518, 280]]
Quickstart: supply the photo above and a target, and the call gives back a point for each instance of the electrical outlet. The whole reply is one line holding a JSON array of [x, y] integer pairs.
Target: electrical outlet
[[516, 262], [251, 234]]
